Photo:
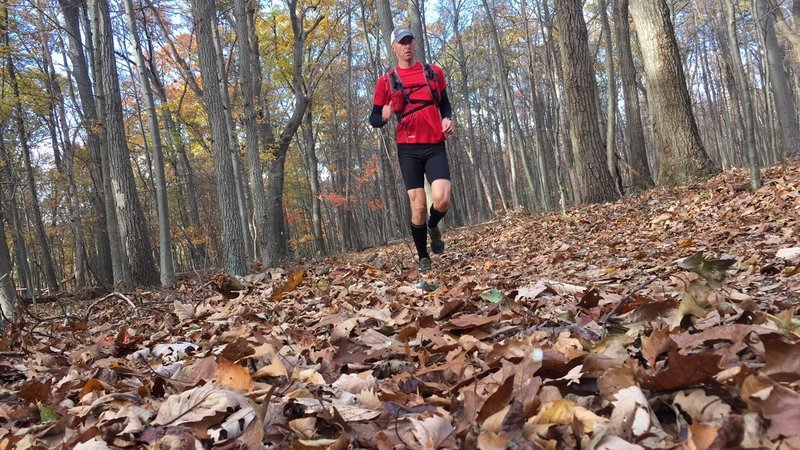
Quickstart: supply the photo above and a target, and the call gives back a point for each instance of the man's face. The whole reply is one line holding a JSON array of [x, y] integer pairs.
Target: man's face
[[404, 50]]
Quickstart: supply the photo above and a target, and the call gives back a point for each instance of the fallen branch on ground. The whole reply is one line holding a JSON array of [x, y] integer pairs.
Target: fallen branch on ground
[[113, 294]]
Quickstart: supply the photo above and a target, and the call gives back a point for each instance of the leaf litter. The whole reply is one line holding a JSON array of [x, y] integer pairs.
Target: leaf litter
[[666, 320]]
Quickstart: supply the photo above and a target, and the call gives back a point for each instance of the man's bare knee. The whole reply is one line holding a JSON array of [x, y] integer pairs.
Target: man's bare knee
[[441, 205]]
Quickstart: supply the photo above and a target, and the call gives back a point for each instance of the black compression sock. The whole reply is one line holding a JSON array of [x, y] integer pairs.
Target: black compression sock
[[435, 217], [420, 235]]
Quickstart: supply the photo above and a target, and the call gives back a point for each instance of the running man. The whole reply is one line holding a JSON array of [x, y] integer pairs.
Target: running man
[[416, 94]]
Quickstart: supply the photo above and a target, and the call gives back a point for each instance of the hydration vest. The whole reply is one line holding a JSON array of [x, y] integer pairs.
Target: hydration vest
[[400, 99]]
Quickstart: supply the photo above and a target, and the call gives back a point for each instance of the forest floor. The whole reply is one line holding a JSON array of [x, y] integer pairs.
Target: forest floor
[[664, 320]]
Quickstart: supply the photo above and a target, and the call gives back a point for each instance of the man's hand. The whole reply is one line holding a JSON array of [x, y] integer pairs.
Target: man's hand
[[387, 112], [447, 127]]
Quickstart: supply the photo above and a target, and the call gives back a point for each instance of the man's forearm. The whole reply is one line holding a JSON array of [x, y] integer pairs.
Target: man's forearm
[[376, 117], [445, 108]]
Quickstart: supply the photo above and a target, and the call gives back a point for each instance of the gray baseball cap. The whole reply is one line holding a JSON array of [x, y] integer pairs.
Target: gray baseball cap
[[399, 33]]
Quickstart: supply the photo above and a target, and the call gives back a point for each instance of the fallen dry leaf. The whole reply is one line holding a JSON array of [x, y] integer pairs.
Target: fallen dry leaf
[[493, 441], [782, 358], [434, 432], [233, 376], [564, 412], [791, 254], [702, 408], [683, 370], [632, 416], [305, 427], [779, 404], [196, 404], [350, 413]]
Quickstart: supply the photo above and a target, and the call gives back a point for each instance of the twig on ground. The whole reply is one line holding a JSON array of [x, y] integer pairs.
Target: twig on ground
[[624, 300], [482, 374], [554, 331], [50, 319], [113, 294], [152, 371], [397, 432], [202, 286]]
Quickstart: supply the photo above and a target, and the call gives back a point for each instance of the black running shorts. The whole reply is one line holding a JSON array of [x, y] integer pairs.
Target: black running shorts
[[420, 160]]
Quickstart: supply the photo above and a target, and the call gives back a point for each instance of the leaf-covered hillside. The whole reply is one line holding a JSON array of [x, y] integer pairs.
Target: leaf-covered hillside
[[667, 320]]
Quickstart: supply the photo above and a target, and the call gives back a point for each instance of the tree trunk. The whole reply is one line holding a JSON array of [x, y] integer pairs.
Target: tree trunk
[[508, 102], [167, 268], [637, 152], [133, 232], [791, 35], [274, 228], [771, 141], [725, 60], [611, 89], [20, 251], [89, 120], [276, 234], [341, 176], [263, 118], [278, 250], [186, 173], [596, 184], [73, 207], [384, 11], [681, 154], [565, 167], [118, 256], [19, 118], [746, 102], [796, 53], [479, 174], [494, 142], [24, 269], [778, 81], [256, 181], [236, 159], [346, 216], [233, 246], [79, 260], [53, 90], [399, 207], [7, 295], [313, 181], [716, 104], [546, 162], [415, 17], [461, 213], [796, 14]]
